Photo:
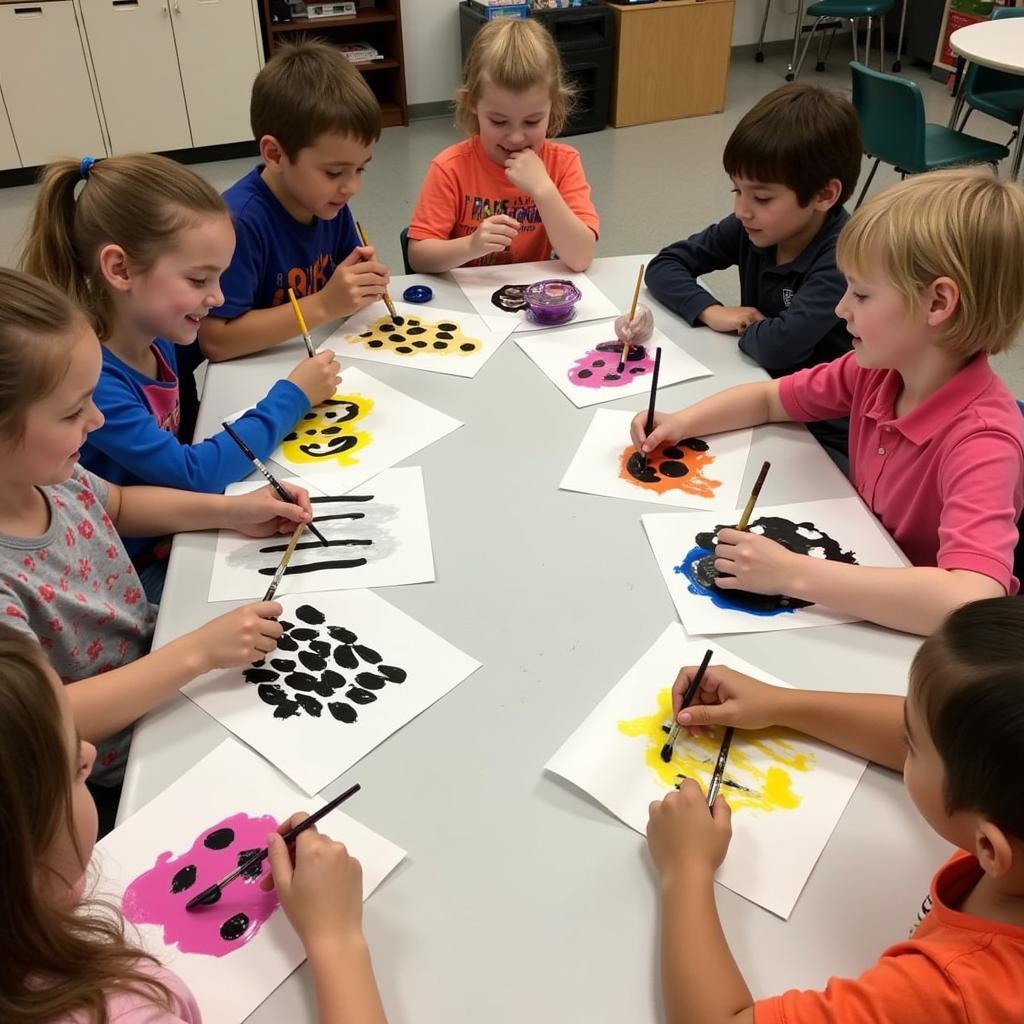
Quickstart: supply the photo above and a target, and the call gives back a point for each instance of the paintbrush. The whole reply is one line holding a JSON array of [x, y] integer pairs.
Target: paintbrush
[[754, 495], [649, 426], [691, 692], [300, 319], [285, 559], [270, 478], [716, 777], [385, 296], [211, 895], [632, 313]]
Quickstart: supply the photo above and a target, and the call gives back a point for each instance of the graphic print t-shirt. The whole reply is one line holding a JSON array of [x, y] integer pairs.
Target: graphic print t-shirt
[[464, 186]]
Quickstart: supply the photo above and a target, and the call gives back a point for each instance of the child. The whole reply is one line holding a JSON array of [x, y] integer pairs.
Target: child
[[65, 577], [958, 737], [68, 960], [316, 122], [507, 194], [935, 272]]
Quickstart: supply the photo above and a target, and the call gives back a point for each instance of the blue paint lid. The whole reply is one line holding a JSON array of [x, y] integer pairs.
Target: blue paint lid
[[418, 293]]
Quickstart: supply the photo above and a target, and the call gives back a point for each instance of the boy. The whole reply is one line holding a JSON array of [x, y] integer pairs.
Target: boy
[[935, 272], [316, 122], [958, 738]]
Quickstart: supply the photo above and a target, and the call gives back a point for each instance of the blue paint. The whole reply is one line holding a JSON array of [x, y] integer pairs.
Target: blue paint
[[719, 597], [418, 293]]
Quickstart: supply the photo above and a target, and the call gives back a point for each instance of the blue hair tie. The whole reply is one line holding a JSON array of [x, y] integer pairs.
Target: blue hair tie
[[85, 167]]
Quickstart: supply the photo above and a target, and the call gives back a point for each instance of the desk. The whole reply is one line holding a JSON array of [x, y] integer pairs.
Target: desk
[[522, 900], [992, 44]]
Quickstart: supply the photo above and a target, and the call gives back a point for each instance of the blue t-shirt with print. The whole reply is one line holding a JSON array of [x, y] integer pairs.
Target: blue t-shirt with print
[[275, 252]]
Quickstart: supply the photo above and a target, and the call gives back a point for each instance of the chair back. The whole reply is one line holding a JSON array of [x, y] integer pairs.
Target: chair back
[[892, 120], [403, 238]]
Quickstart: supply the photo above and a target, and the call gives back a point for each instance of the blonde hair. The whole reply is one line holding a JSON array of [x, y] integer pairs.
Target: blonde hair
[[516, 55], [139, 202], [962, 224], [38, 328]]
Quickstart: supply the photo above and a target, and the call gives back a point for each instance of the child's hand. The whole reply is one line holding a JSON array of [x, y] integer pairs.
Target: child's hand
[[754, 562], [730, 319], [526, 170], [320, 886], [357, 281], [239, 637], [667, 428], [262, 513], [726, 697], [317, 378], [685, 840], [495, 234]]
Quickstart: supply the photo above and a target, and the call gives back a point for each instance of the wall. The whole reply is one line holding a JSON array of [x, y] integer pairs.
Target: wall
[[433, 56]]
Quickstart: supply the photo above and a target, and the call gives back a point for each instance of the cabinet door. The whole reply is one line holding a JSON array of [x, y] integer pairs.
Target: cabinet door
[[137, 74], [8, 149], [45, 82], [219, 55]]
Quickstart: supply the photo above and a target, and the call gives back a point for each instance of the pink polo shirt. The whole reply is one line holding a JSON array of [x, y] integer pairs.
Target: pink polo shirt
[[947, 479]]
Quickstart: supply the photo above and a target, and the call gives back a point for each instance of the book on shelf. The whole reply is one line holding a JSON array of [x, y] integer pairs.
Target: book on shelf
[[360, 52]]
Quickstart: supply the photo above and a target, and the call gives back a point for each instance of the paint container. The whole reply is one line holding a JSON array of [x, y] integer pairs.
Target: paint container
[[552, 302]]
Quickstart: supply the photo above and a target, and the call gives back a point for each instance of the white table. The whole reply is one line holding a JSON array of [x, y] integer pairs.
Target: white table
[[521, 899], [992, 44]]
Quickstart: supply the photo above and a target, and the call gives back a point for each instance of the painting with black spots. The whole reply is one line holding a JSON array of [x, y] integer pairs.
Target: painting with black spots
[[510, 298]]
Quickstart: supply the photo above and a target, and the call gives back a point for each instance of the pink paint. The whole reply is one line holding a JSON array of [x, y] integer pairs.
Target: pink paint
[[158, 896], [599, 368]]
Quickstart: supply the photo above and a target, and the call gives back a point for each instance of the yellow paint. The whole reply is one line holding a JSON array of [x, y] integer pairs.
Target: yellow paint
[[444, 338], [765, 787], [310, 440]]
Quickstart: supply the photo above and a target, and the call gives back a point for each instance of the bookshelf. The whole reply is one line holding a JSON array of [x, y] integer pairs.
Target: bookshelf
[[379, 25]]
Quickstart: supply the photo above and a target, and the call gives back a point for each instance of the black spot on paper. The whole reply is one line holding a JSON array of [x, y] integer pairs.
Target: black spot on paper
[[307, 613], [219, 838], [252, 870], [234, 927], [184, 879]]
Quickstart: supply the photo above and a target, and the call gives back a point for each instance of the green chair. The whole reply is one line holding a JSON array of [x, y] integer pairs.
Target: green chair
[[892, 120], [403, 238], [846, 10]]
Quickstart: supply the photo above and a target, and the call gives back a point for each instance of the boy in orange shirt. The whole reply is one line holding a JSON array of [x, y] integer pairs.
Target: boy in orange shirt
[[959, 739], [507, 194]]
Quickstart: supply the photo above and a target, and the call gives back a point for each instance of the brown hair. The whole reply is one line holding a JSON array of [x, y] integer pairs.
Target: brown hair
[[967, 225], [800, 136], [516, 55], [139, 202], [38, 327], [56, 960], [309, 88]]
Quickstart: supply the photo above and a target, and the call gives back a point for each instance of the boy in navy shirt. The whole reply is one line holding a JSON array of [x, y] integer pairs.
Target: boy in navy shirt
[[316, 122]]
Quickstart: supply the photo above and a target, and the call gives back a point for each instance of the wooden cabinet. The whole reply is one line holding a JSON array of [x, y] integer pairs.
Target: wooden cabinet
[[44, 78], [671, 60]]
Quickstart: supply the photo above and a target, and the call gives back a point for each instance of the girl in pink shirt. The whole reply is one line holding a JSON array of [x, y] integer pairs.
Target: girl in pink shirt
[[935, 284]]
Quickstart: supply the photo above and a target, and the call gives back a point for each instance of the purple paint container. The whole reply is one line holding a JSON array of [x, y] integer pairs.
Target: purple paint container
[[552, 302]]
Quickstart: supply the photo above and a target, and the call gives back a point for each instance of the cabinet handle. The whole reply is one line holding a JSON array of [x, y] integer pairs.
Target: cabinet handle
[[28, 10], [125, 3]]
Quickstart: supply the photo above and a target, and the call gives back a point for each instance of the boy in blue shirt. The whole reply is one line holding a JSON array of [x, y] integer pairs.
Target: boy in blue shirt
[[316, 122]]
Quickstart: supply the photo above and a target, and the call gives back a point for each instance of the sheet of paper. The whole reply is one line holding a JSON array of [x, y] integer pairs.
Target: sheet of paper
[[377, 536], [582, 362], [349, 671], [233, 954], [696, 473], [498, 291], [787, 792], [840, 529], [423, 337]]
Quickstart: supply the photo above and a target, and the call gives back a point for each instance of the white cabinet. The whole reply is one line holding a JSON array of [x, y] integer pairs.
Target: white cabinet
[[44, 79]]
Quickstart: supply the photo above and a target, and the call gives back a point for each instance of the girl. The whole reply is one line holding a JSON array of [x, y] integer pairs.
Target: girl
[[65, 577], [67, 960], [507, 194], [142, 249]]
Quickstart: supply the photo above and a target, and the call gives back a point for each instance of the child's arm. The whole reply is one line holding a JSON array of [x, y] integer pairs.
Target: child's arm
[[438, 255]]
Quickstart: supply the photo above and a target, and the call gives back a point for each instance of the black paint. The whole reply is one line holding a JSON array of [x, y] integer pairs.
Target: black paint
[[510, 297], [307, 613], [254, 864], [234, 927], [669, 462], [184, 879], [219, 839]]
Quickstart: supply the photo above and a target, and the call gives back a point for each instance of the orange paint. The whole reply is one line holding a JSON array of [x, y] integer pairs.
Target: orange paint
[[693, 481]]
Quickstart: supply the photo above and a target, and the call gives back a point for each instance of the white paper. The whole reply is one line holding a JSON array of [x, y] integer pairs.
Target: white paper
[[382, 524], [385, 423], [794, 788], [228, 781], [845, 522], [587, 375], [480, 283], [441, 340], [694, 479], [315, 713]]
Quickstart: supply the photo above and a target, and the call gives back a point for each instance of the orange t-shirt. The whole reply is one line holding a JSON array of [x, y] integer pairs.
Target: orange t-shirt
[[956, 969], [464, 186]]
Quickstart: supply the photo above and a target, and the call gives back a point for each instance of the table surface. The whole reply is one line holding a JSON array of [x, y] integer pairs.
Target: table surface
[[522, 899], [996, 44]]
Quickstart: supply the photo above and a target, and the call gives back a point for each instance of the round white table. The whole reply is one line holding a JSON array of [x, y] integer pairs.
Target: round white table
[[992, 44]]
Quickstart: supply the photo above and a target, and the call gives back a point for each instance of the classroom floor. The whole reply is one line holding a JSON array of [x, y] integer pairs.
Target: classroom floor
[[652, 184]]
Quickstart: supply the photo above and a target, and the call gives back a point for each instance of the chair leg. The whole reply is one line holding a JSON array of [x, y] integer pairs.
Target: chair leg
[[828, 51], [1018, 152], [820, 66], [967, 114], [797, 28], [867, 44], [867, 184], [896, 64], [853, 30], [881, 42], [807, 43], [759, 52]]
